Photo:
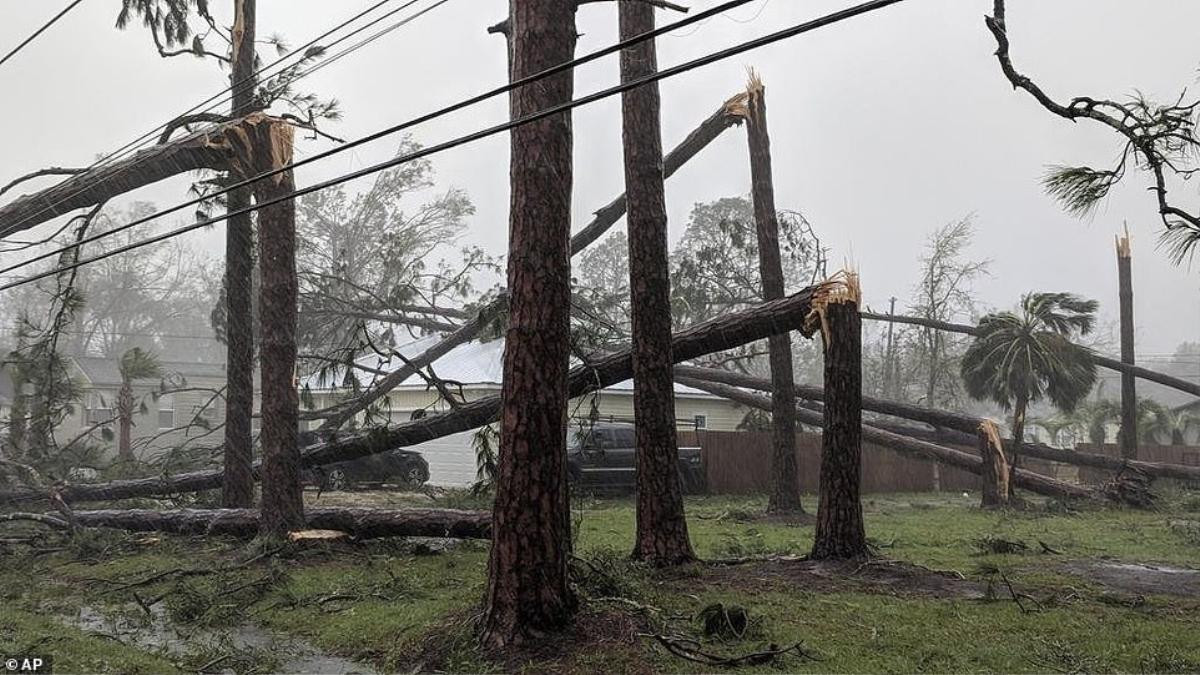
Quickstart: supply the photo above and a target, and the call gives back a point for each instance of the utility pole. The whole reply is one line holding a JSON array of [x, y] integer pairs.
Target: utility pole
[[1128, 434], [238, 487]]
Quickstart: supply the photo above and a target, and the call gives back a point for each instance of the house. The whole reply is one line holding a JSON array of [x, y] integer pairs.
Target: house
[[183, 408], [475, 370]]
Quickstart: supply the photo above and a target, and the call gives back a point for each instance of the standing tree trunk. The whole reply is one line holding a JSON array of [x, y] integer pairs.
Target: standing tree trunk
[[282, 498], [18, 415], [840, 533], [1129, 431], [528, 592], [237, 491], [785, 478], [994, 476], [662, 533], [125, 422]]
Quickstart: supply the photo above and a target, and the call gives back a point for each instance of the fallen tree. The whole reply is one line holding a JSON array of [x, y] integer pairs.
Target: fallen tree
[[212, 148], [726, 116], [1165, 380], [1025, 479], [953, 427], [721, 333], [359, 523]]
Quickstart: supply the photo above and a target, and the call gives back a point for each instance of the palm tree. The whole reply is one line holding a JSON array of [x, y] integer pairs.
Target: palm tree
[[136, 364], [1169, 423], [1021, 357]]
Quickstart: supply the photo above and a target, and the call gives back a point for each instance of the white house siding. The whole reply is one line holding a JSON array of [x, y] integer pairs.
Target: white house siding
[[452, 458]]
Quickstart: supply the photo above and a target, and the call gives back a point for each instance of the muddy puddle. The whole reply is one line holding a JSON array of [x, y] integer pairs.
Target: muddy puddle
[[1139, 579], [221, 648]]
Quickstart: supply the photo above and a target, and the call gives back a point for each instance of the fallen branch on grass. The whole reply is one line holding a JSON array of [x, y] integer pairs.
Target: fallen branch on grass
[[724, 332], [686, 648]]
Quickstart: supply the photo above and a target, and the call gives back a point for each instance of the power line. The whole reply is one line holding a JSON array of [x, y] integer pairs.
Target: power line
[[569, 65], [144, 139], [39, 31], [709, 59]]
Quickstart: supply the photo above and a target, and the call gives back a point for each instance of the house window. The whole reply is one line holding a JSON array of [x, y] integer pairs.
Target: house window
[[97, 410], [701, 422], [166, 412]]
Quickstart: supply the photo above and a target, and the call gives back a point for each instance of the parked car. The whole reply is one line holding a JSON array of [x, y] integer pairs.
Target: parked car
[[603, 457], [400, 467]]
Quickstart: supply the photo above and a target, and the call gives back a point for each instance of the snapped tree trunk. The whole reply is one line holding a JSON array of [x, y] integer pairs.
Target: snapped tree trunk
[[237, 491], [994, 476], [605, 218], [840, 533], [282, 497], [528, 592], [662, 533], [707, 337], [1129, 431], [914, 447], [785, 479]]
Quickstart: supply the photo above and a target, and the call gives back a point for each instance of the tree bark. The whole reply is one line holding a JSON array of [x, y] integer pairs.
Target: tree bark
[[994, 474], [237, 491], [604, 219], [840, 533], [714, 335], [662, 534], [211, 148], [282, 498], [1129, 431], [951, 426], [360, 523], [785, 478], [529, 593], [125, 422], [1165, 380], [1018, 438], [1027, 480]]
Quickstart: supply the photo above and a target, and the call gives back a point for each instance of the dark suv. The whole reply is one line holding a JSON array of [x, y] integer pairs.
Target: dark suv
[[603, 458], [402, 467]]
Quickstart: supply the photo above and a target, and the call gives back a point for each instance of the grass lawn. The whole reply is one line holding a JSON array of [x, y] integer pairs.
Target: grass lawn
[[938, 599]]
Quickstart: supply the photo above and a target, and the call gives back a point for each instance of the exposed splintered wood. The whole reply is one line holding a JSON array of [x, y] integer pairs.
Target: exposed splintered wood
[[994, 473], [604, 219], [1128, 436], [907, 445], [359, 523], [952, 426], [214, 148], [840, 533], [784, 496], [714, 335], [661, 533], [282, 500], [529, 592]]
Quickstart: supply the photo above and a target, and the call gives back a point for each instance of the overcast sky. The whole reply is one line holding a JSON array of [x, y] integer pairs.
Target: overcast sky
[[884, 127]]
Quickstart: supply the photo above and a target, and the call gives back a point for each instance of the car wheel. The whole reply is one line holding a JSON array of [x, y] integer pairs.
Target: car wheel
[[337, 480], [414, 477]]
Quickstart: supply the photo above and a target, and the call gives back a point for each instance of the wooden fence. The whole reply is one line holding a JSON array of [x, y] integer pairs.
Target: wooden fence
[[740, 463], [1188, 455]]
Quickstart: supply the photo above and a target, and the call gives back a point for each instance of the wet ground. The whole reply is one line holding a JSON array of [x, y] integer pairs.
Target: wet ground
[[221, 649], [1138, 579]]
